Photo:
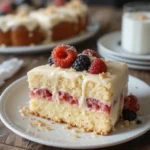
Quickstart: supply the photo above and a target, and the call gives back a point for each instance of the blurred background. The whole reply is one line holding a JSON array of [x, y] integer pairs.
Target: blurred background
[[115, 3]]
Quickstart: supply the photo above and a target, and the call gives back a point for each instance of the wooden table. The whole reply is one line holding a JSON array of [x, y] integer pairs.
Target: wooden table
[[110, 19]]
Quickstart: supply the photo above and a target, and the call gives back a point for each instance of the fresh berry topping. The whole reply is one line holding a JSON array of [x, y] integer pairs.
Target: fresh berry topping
[[13, 5], [97, 66], [6, 8], [21, 2], [81, 63], [90, 52], [131, 103], [59, 2], [50, 61], [129, 115], [138, 122], [64, 56]]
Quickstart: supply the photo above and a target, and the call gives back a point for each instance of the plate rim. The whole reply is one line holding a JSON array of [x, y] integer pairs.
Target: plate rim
[[130, 61], [124, 55], [133, 66], [46, 47], [4, 119]]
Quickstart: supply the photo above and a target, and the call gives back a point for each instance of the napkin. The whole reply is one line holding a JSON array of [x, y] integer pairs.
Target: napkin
[[9, 68]]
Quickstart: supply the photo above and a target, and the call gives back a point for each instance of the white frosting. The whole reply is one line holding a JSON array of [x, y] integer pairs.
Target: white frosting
[[4, 22], [116, 110], [110, 82], [78, 7], [49, 18], [136, 32], [10, 21]]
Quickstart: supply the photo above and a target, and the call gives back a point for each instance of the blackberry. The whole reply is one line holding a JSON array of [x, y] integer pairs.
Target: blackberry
[[129, 115], [21, 2], [138, 122], [13, 5], [81, 63], [50, 60]]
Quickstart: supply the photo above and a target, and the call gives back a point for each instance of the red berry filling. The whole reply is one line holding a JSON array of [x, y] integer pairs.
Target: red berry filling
[[94, 104], [42, 93], [63, 96]]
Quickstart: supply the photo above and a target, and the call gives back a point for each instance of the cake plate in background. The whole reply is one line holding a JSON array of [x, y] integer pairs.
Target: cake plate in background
[[92, 29]]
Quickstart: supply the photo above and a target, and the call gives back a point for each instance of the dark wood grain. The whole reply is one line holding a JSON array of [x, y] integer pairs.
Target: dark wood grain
[[110, 20]]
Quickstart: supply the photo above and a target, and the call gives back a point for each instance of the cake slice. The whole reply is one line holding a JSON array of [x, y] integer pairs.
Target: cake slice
[[81, 90]]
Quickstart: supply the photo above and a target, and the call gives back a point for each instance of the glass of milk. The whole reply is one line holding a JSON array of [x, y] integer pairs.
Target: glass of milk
[[135, 35]]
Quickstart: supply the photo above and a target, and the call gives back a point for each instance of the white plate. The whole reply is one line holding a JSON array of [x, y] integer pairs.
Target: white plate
[[134, 62], [17, 95], [130, 65], [109, 43], [92, 28]]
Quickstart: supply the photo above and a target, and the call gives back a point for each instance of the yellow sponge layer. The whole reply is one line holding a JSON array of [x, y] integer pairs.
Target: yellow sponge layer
[[72, 115]]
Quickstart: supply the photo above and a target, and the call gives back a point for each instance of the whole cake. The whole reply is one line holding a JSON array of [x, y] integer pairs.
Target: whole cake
[[43, 25], [82, 90], [18, 30]]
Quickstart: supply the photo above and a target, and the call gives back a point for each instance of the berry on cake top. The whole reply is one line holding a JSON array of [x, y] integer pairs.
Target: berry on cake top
[[66, 56]]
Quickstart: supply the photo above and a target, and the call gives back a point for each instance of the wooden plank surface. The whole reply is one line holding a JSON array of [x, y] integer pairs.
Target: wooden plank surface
[[110, 20]]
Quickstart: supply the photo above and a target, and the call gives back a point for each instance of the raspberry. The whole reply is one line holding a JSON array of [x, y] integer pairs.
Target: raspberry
[[59, 2], [131, 103], [129, 115], [90, 52], [50, 60], [64, 56], [6, 8], [97, 66], [81, 63]]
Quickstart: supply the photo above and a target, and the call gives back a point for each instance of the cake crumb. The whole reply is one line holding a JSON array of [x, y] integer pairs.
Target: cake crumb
[[82, 130], [122, 126], [76, 130], [95, 133], [103, 75], [48, 128], [68, 127], [126, 123], [132, 122], [25, 111], [75, 136], [141, 17], [52, 122]]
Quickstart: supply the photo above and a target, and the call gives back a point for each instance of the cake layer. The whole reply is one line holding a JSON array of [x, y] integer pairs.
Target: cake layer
[[71, 114], [82, 85]]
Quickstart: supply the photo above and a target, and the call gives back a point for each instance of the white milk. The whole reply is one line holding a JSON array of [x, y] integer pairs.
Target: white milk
[[136, 32]]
